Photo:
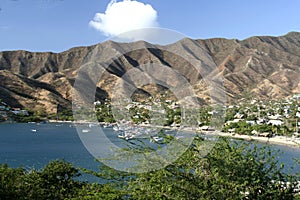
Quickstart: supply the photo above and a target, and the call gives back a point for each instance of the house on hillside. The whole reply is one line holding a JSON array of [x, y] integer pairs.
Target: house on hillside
[[251, 122], [18, 111], [232, 130], [97, 103], [260, 121], [275, 122], [296, 96], [274, 117], [206, 128], [238, 116], [254, 132], [233, 121], [265, 134]]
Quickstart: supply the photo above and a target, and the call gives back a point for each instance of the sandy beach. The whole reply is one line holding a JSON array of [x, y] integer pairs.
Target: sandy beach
[[281, 140]]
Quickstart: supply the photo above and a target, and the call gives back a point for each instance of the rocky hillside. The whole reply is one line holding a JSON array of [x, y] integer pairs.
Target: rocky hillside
[[264, 67]]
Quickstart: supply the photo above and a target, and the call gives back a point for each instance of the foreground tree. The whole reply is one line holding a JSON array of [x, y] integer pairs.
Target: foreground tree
[[232, 170], [55, 181]]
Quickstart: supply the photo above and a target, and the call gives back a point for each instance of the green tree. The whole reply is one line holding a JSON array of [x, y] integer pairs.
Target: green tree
[[55, 181], [11, 182], [229, 171]]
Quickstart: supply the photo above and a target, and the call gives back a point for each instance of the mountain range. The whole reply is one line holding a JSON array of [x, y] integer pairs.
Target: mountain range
[[264, 67]]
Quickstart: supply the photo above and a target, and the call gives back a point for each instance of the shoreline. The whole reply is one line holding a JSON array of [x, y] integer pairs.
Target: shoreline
[[279, 140]]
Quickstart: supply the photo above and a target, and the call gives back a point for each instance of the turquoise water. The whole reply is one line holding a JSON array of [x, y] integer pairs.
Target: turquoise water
[[21, 146]]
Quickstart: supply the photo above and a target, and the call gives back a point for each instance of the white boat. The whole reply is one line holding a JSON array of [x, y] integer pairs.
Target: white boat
[[129, 137], [121, 136], [179, 137], [157, 139], [33, 130], [168, 130], [115, 128], [125, 135], [107, 125], [85, 130], [92, 125]]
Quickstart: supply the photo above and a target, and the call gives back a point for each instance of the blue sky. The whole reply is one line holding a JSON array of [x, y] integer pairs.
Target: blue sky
[[57, 25]]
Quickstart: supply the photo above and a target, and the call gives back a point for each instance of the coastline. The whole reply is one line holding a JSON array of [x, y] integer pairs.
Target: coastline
[[279, 140]]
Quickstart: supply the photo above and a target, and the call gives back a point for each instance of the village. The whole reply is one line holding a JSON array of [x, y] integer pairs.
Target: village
[[264, 118], [247, 116]]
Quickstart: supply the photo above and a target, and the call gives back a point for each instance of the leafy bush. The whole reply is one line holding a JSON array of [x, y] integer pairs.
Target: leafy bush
[[55, 181]]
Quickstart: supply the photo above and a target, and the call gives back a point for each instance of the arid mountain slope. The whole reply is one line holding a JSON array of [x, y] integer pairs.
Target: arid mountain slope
[[264, 67]]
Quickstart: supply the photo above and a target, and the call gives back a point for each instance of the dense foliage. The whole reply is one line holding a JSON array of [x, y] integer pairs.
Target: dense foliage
[[229, 171], [55, 181], [232, 170]]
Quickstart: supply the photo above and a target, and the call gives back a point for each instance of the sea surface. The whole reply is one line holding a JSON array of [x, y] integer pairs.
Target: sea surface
[[35, 145]]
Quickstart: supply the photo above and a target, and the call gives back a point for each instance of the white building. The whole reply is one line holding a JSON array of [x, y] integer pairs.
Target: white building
[[97, 103], [275, 122]]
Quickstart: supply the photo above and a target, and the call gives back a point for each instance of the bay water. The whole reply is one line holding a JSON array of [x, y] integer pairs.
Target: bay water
[[34, 145]]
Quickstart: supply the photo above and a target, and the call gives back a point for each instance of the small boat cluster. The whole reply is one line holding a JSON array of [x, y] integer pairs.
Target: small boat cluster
[[127, 131]]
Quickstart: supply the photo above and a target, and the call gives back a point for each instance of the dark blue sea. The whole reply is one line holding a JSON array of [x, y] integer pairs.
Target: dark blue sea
[[34, 145]]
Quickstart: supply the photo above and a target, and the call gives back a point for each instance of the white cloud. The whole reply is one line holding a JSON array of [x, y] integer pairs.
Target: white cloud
[[124, 16]]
